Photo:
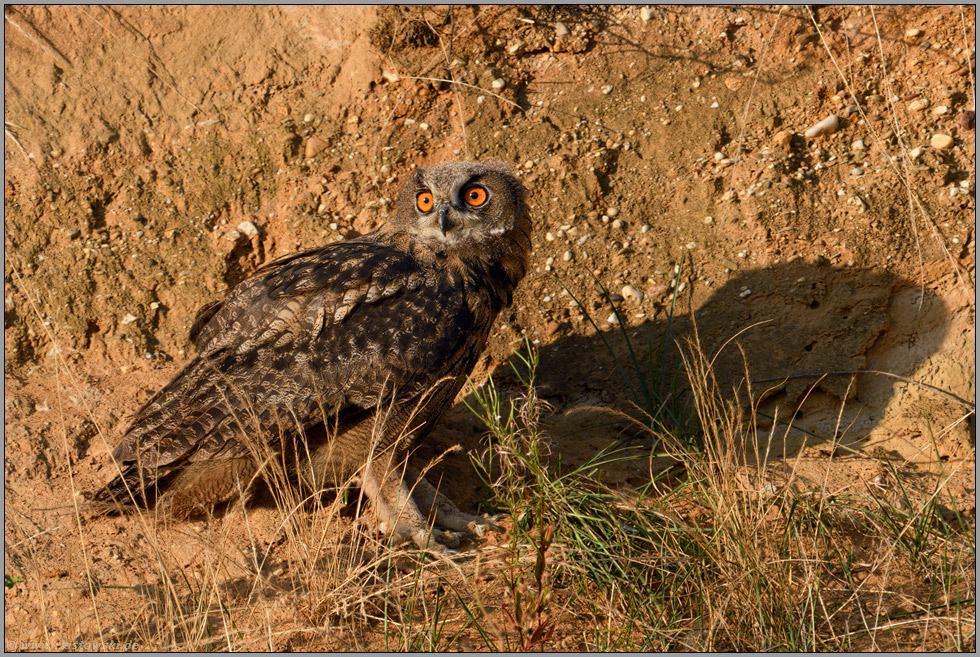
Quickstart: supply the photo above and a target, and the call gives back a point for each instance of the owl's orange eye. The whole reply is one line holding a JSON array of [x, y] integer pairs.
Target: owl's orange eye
[[475, 195], [424, 201]]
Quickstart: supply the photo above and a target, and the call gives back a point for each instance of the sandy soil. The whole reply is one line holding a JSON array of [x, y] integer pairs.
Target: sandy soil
[[664, 147]]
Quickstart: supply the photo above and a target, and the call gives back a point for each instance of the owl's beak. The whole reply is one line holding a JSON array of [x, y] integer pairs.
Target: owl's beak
[[444, 224]]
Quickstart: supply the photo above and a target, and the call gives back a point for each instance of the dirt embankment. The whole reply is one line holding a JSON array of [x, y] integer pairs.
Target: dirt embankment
[[155, 156]]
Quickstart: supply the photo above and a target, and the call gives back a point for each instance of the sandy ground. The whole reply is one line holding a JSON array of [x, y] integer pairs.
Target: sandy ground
[[662, 148]]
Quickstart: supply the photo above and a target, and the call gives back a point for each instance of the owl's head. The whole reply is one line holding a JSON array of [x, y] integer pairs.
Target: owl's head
[[464, 206]]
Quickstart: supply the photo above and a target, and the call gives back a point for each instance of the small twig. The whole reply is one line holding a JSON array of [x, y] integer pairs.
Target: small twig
[[14, 139], [37, 39], [452, 32], [942, 393]]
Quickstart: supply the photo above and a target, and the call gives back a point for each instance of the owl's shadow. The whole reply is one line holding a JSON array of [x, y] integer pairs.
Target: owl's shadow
[[789, 337]]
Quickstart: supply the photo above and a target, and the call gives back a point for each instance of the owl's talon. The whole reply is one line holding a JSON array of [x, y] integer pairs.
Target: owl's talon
[[493, 520]]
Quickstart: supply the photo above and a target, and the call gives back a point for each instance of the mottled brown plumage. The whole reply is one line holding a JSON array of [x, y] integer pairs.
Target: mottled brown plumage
[[336, 358]]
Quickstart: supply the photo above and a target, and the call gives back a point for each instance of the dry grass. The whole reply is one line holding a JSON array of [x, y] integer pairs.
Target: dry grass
[[725, 555], [720, 557]]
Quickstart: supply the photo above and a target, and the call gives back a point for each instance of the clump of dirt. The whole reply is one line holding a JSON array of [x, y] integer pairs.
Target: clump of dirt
[[155, 156]]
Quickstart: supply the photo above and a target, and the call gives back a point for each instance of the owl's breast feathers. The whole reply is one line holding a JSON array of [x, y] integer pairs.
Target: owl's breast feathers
[[322, 331]]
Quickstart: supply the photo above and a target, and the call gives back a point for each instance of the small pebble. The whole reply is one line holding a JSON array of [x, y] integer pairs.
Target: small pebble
[[613, 319], [549, 236], [826, 127], [633, 294], [606, 89], [128, 318], [912, 33], [645, 228], [783, 138], [858, 145], [498, 84], [916, 153], [613, 212], [568, 256], [314, 146], [619, 223], [857, 171], [248, 228], [940, 110], [561, 29], [744, 293], [919, 105], [941, 142], [709, 220], [645, 14], [308, 118]]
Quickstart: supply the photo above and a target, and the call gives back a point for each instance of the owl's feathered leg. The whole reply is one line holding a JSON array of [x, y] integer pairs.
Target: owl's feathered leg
[[442, 510], [397, 512]]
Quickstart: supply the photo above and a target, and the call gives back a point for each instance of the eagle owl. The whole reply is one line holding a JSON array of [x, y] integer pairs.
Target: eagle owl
[[333, 360]]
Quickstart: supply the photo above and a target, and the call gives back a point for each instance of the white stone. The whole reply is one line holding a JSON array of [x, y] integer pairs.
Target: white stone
[[631, 293], [826, 127], [248, 229]]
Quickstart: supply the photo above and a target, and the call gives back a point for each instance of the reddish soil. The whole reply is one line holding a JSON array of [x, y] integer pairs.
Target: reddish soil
[[660, 149]]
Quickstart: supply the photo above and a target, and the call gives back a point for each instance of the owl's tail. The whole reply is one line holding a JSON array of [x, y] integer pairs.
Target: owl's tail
[[133, 488]]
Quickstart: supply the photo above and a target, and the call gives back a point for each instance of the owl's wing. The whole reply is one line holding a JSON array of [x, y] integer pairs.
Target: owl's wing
[[320, 332]]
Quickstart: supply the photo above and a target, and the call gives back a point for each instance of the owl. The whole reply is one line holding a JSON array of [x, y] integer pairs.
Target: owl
[[331, 362]]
